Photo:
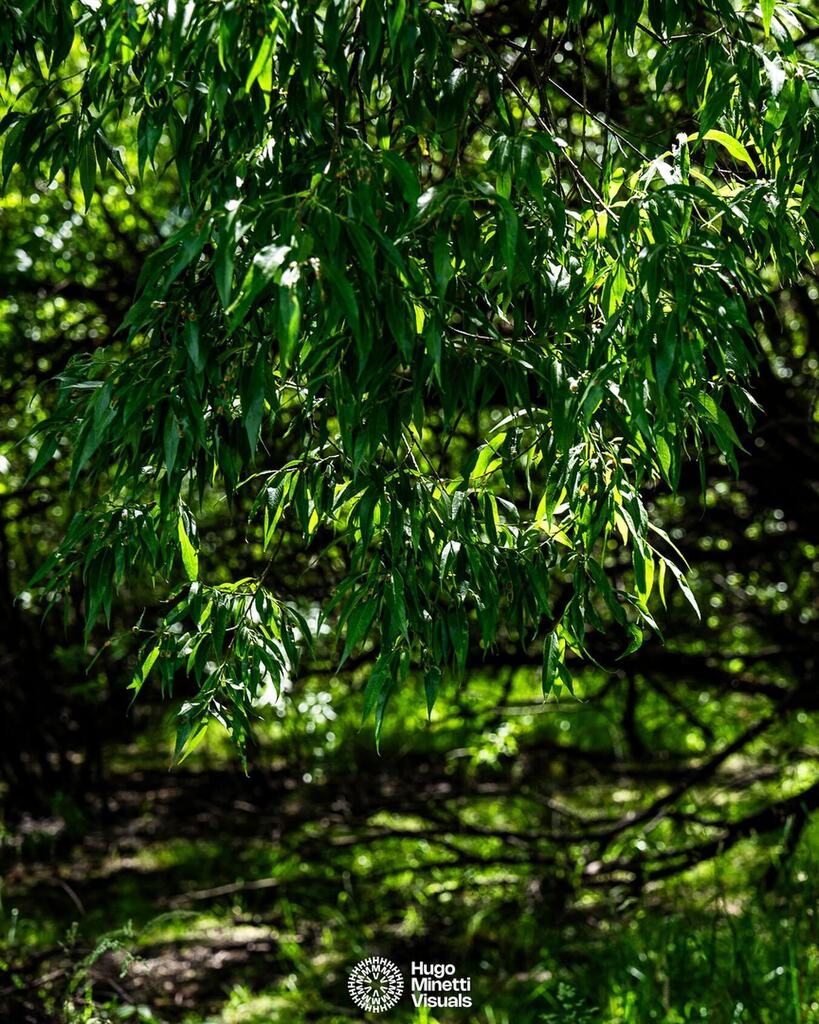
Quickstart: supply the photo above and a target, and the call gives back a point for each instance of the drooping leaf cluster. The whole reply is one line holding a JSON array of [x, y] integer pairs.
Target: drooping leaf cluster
[[423, 300]]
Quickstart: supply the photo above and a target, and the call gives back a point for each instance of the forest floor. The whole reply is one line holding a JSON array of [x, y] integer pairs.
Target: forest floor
[[203, 895]]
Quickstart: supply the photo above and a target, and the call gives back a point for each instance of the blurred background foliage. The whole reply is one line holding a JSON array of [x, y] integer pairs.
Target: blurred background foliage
[[645, 852]]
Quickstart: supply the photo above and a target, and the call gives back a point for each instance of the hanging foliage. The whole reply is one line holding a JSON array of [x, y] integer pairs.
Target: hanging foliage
[[422, 303]]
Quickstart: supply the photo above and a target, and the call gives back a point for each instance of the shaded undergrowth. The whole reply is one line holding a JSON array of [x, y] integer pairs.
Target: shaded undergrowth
[[206, 897]]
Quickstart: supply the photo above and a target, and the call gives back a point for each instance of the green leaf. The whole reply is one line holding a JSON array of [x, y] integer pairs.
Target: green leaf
[[432, 685], [682, 583], [344, 294], [664, 458], [767, 12], [142, 674], [190, 558], [290, 317], [88, 171], [378, 680], [262, 66], [508, 229], [404, 175], [253, 399], [552, 657], [171, 440], [190, 333], [358, 626], [265, 268], [730, 144], [188, 737], [226, 254], [44, 456], [636, 641]]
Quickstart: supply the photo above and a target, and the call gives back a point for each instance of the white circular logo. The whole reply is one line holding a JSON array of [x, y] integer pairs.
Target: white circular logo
[[375, 984]]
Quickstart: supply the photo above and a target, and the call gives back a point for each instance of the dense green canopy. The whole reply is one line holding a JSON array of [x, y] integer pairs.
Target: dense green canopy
[[303, 336], [427, 317]]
